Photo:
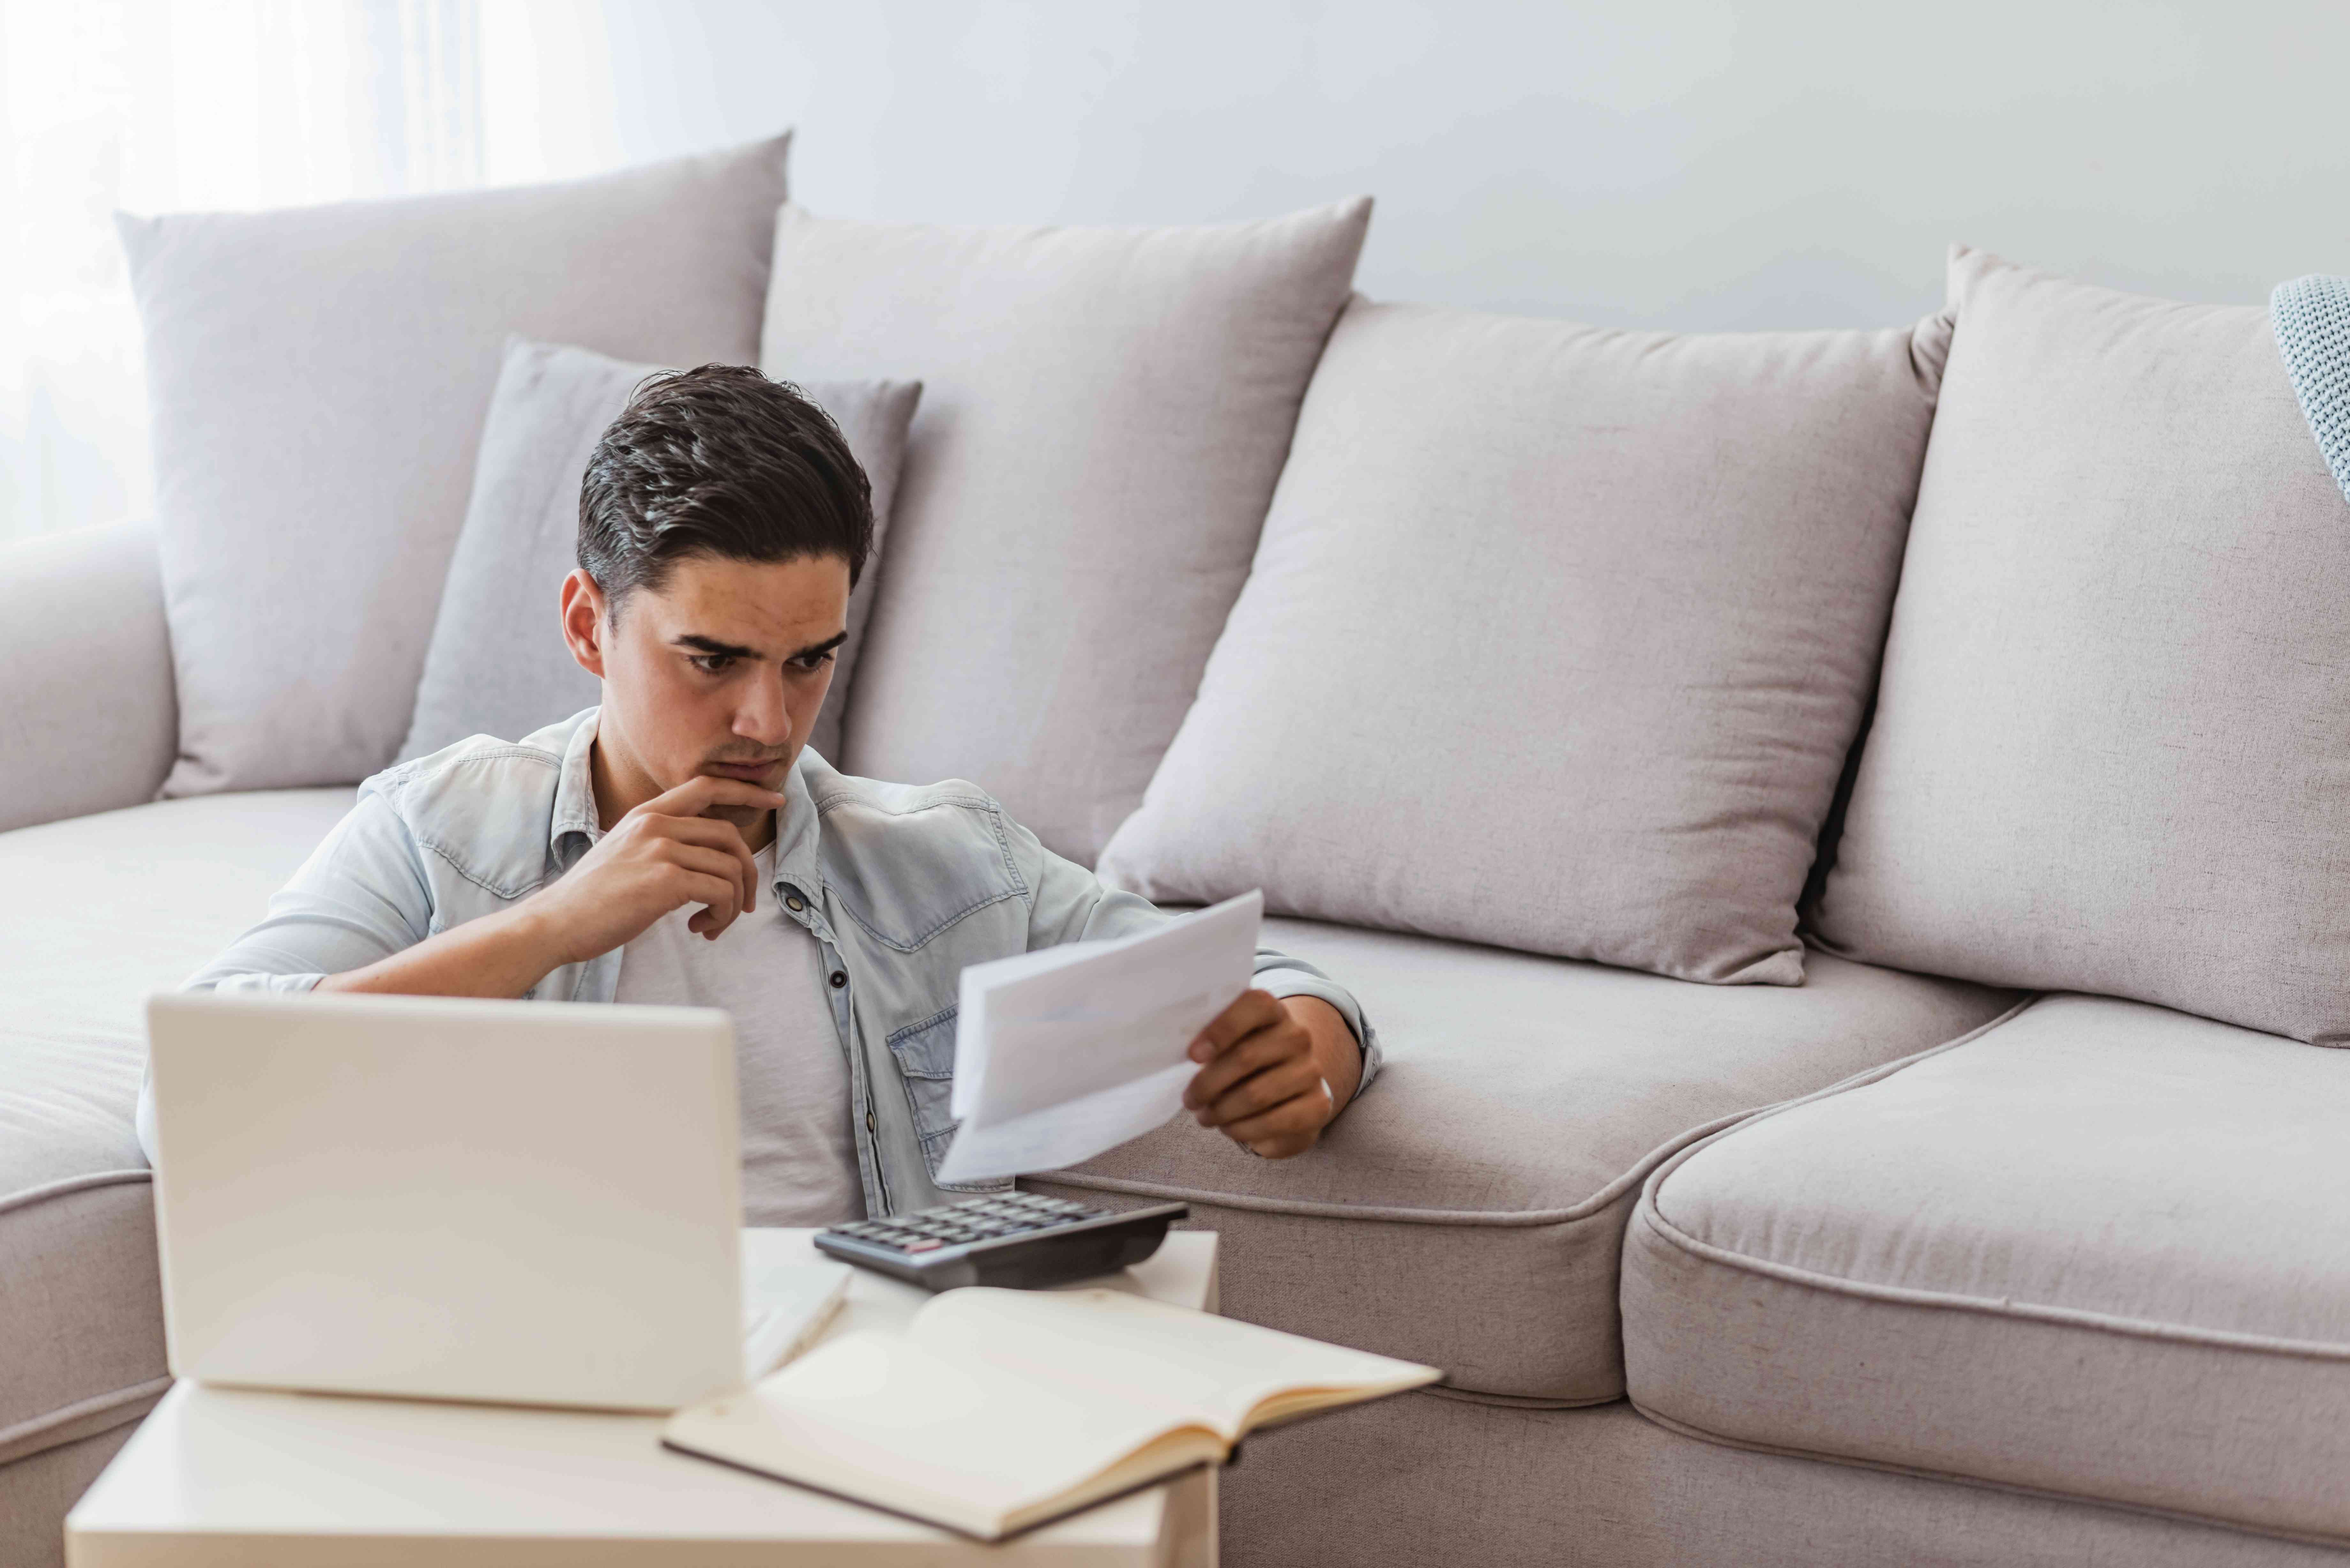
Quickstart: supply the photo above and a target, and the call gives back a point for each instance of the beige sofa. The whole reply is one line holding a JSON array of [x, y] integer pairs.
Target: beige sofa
[[1883, 1267]]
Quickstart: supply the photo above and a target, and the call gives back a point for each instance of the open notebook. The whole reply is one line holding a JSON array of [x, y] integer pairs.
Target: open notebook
[[998, 1410]]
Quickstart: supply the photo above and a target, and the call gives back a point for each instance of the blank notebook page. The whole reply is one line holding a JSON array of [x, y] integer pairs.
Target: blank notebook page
[[1131, 1347]]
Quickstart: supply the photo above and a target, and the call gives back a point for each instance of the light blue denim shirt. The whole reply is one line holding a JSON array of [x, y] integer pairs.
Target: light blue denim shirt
[[901, 885]]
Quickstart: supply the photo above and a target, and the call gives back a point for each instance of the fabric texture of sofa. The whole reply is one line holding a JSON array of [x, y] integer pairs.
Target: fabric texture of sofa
[[103, 910], [1679, 548], [1893, 1267], [1472, 1216], [2107, 752], [306, 536], [1895, 1272]]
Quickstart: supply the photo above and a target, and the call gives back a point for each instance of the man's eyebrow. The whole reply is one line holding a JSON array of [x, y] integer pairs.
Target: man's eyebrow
[[827, 646], [712, 646]]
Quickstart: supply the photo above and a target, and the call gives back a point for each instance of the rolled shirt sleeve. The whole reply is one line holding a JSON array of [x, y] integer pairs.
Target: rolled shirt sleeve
[[1070, 903], [359, 897]]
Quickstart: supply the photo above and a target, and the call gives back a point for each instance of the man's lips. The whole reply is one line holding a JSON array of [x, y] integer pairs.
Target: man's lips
[[749, 773]]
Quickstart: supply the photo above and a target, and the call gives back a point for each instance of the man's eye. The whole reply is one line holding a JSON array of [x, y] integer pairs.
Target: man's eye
[[713, 663], [818, 660]]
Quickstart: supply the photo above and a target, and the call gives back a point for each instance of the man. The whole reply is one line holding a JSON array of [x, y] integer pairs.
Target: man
[[678, 845]]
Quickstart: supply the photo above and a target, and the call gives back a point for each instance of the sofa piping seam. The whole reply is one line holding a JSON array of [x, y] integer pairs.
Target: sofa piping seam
[[1859, 1080], [70, 1185], [1515, 1401], [1651, 1216], [1633, 1178], [79, 1411], [2002, 1306], [1598, 1203], [2013, 1488]]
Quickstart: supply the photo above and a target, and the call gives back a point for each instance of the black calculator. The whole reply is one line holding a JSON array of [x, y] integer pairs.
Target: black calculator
[[1023, 1240]]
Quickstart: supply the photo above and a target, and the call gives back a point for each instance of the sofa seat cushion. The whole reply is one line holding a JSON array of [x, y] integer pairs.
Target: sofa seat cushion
[[2102, 1249], [102, 910], [1468, 1210]]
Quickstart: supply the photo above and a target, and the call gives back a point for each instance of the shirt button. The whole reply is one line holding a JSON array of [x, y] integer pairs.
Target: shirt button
[[794, 903], [838, 980]]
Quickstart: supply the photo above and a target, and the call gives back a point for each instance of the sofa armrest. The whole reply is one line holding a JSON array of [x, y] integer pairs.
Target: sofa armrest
[[89, 713]]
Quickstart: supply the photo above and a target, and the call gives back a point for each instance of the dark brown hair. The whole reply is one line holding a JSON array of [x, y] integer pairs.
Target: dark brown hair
[[719, 461]]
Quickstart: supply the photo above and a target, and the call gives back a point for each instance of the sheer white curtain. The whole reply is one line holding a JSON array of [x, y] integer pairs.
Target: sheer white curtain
[[155, 105]]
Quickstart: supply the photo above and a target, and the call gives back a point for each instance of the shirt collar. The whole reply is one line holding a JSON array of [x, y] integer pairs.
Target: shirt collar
[[575, 814], [575, 792], [796, 842]]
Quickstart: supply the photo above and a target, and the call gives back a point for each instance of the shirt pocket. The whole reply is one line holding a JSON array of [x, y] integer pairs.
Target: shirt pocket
[[925, 1053]]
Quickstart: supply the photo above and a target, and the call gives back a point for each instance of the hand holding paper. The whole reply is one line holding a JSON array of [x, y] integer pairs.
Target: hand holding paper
[[1063, 1053]]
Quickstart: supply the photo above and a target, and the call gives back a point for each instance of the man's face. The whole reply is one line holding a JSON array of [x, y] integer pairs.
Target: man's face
[[722, 669]]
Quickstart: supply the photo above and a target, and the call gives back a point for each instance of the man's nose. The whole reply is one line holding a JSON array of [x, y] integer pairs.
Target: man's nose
[[766, 714]]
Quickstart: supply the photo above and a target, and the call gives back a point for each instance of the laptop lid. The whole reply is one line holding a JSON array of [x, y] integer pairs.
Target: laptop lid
[[535, 1203]]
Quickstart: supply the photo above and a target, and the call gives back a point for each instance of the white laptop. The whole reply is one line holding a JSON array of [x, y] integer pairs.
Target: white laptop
[[530, 1203]]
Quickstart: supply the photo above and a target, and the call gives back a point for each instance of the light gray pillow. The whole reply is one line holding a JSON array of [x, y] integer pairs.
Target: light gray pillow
[[2109, 752], [1104, 416], [497, 664], [317, 378], [1557, 639]]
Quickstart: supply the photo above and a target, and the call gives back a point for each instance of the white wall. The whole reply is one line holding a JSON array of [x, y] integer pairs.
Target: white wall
[[1686, 163], [1672, 162]]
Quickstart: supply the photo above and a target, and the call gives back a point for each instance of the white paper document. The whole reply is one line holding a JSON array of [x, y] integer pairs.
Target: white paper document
[[1062, 1054]]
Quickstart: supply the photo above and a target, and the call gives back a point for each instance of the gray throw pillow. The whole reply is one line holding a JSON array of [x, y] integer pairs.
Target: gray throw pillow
[[2109, 752], [1557, 639], [1104, 415], [317, 378], [497, 664]]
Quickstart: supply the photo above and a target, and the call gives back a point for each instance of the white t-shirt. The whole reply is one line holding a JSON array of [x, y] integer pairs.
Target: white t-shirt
[[766, 973]]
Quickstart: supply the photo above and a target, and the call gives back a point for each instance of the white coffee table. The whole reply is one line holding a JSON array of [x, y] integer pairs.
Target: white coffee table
[[224, 1476]]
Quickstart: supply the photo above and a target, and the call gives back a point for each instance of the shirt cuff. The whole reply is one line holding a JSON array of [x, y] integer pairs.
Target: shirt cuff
[[1286, 977]]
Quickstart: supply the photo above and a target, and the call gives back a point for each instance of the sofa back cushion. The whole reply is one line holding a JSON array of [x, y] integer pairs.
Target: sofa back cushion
[[1557, 639], [497, 664], [1104, 417], [318, 378], [2109, 750]]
